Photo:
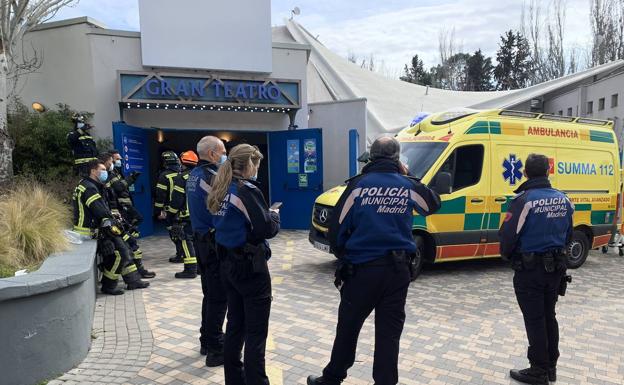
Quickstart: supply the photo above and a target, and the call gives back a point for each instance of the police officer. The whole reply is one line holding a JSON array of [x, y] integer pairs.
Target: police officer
[[121, 200], [371, 234], [164, 189], [93, 217], [243, 223], [212, 154], [534, 235], [82, 144], [179, 218]]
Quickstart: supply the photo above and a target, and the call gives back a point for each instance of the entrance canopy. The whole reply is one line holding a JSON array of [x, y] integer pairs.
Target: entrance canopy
[[155, 90]]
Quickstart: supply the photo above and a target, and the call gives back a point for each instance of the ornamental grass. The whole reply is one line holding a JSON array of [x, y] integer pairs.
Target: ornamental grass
[[31, 227]]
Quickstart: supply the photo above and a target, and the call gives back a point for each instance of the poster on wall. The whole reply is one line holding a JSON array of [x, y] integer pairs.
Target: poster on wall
[[132, 153], [309, 150], [292, 154]]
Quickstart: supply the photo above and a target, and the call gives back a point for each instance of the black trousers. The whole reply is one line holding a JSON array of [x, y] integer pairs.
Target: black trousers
[[380, 288], [249, 306], [537, 294], [214, 302]]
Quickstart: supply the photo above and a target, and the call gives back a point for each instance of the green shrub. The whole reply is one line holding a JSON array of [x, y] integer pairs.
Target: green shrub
[[41, 151], [31, 224]]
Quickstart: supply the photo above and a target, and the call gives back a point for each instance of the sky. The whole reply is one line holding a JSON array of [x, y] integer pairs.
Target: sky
[[392, 31]]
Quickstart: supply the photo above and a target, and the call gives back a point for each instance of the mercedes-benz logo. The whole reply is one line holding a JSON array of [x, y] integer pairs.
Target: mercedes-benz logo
[[323, 215]]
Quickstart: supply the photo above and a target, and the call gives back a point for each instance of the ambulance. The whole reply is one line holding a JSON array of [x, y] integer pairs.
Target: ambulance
[[475, 159]]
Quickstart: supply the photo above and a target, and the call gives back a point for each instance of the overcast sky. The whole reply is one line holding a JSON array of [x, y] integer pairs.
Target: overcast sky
[[391, 30]]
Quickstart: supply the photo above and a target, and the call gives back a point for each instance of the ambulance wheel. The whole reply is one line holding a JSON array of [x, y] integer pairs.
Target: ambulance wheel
[[417, 262], [577, 250]]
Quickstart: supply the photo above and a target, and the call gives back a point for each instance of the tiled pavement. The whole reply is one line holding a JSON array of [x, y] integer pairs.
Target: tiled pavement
[[463, 325]]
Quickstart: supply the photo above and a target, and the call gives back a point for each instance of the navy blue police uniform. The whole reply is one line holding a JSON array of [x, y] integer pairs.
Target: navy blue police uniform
[[243, 224], [371, 234], [214, 305], [534, 235]]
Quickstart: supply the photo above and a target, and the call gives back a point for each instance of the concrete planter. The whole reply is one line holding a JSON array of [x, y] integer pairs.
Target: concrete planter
[[46, 317]]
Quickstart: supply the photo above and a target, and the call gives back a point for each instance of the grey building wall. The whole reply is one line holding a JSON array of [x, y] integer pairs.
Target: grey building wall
[[578, 99], [46, 317], [336, 119]]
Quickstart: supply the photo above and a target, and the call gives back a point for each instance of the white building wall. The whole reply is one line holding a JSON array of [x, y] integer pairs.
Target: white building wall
[[336, 119], [80, 64], [66, 73]]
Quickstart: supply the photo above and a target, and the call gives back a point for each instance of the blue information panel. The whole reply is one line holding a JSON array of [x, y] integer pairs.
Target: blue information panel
[[133, 153]]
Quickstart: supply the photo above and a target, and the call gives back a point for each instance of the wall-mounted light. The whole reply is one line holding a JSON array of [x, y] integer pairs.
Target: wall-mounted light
[[160, 136], [38, 107]]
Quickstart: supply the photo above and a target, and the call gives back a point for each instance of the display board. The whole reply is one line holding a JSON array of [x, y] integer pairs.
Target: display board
[[229, 35]]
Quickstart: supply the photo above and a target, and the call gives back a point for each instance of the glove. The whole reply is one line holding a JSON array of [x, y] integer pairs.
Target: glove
[[177, 231], [134, 175], [112, 227]]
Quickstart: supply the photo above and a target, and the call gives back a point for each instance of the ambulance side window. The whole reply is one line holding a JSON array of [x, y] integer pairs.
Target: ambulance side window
[[465, 165]]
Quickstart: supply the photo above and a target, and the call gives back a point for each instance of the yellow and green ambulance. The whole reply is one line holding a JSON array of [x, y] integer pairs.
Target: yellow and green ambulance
[[484, 153]]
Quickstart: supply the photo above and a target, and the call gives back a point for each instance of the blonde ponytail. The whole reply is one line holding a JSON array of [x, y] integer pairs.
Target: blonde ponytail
[[220, 186], [239, 159]]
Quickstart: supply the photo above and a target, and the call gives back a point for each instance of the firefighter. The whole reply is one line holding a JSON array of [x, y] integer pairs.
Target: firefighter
[[93, 217], [82, 144], [179, 218], [164, 190], [132, 218]]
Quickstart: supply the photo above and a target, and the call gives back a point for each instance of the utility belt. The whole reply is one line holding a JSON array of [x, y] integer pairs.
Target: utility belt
[[247, 260], [346, 270], [551, 261]]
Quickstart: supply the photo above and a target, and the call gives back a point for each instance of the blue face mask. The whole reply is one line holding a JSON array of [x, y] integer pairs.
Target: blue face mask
[[222, 159], [118, 163], [103, 176], [255, 177]]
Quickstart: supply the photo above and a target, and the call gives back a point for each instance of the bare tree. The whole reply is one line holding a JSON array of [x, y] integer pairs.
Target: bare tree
[[545, 32], [16, 18], [607, 30]]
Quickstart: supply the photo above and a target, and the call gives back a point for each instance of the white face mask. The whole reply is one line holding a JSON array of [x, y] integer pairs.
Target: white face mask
[[80, 125], [112, 166]]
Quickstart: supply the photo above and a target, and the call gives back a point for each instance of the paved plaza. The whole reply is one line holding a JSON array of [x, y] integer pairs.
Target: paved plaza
[[463, 325]]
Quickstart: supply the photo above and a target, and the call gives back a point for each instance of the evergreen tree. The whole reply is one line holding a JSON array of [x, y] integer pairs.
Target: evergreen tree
[[478, 72], [416, 73], [514, 61]]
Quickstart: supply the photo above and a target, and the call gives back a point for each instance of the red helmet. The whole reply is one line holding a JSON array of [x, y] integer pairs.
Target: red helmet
[[189, 158]]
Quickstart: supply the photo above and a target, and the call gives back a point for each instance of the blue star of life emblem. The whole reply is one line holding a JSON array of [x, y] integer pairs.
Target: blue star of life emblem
[[513, 169]]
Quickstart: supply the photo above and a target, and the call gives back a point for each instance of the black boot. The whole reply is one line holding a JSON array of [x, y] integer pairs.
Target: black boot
[[143, 272], [112, 290], [315, 380], [138, 284], [552, 374], [214, 358], [532, 375], [176, 259], [190, 271], [203, 350]]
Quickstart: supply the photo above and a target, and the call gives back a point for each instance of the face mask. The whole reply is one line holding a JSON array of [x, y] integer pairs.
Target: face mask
[[112, 167], [118, 163], [80, 125], [222, 159], [103, 176]]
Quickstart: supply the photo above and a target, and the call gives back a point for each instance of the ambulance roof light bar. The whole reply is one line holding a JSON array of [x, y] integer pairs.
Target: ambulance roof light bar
[[519, 114], [595, 122], [557, 118]]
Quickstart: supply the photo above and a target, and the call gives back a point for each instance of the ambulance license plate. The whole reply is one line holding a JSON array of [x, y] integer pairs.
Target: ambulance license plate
[[321, 246]]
